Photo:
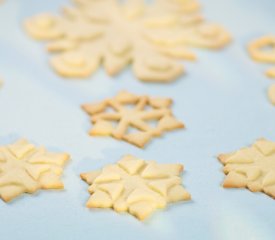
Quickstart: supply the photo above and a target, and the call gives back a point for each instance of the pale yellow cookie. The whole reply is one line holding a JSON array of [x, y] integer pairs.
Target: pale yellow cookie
[[271, 94], [147, 117], [263, 49], [114, 34], [25, 168], [252, 167], [271, 72], [135, 186]]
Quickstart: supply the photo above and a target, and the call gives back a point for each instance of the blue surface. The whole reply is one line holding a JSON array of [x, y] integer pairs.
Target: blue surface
[[222, 101]]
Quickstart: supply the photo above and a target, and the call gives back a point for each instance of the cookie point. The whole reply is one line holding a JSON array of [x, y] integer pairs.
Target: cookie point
[[83, 176]]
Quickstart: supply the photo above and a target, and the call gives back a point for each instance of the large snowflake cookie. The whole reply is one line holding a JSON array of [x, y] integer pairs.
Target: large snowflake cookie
[[152, 37], [136, 186], [135, 119], [25, 168], [252, 167]]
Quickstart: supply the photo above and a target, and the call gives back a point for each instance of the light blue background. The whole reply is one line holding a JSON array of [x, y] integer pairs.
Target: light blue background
[[222, 100]]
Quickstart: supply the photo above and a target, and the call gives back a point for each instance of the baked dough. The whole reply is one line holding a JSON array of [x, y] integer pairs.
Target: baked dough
[[271, 72], [25, 168], [116, 117], [136, 186], [271, 94], [263, 50], [150, 37], [252, 167]]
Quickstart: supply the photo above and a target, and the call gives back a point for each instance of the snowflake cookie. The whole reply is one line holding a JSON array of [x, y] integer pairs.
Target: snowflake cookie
[[252, 167], [151, 37], [135, 119], [25, 168], [263, 50], [136, 186]]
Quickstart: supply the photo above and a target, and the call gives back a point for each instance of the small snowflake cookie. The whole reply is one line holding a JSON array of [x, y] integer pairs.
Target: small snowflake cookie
[[25, 168], [263, 50], [151, 37], [135, 119], [252, 167], [136, 186]]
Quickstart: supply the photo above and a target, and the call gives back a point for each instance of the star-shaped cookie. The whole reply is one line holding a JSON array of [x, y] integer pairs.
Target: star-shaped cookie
[[25, 168], [132, 118], [251, 167], [136, 186]]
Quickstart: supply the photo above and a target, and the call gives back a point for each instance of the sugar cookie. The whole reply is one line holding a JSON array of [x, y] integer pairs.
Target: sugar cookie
[[113, 117], [25, 168], [135, 186], [271, 72], [153, 37], [271, 94], [252, 167], [263, 50]]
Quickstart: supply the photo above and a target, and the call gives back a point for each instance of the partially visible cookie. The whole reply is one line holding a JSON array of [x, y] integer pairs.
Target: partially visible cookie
[[271, 72], [271, 94], [263, 50], [25, 168], [135, 186], [132, 118], [251, 167]]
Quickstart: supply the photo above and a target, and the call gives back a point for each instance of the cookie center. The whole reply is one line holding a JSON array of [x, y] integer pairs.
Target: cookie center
[[133, 182]]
